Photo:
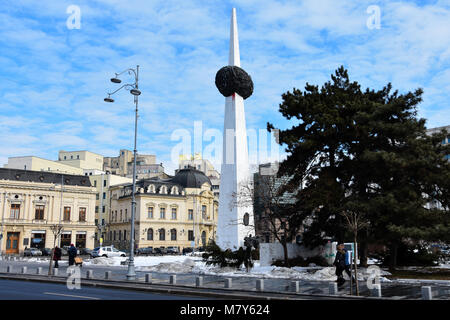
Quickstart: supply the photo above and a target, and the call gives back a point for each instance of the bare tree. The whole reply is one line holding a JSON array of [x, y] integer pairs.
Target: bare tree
[[355, 221], [273, 208]]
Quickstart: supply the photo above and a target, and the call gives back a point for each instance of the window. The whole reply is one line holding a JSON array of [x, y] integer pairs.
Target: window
[[97, 196], [162, 234], [150, 212], [104, 183], [126, 214], [173, 234], [78, 156], [66, 213], [124, 234], [39, 213], [104, 195], [120, 215], [190, 214], [150, 234], [162, 213], [204, 212], [120, 234], [15, 210], [82, 214], [103, 209], [191, 235], [71, 157], [174, 213], [65, 157]]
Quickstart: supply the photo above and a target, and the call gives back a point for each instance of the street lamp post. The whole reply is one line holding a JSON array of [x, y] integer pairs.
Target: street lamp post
[[134, 90]]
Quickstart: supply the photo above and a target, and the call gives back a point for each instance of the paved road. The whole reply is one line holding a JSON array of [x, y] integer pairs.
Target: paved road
[[394, 289], [27, 290]]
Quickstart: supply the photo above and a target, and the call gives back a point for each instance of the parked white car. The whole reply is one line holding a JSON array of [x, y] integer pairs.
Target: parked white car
[[108, 252]]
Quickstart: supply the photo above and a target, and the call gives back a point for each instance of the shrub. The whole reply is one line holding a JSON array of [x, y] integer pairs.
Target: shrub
[[215, 256]]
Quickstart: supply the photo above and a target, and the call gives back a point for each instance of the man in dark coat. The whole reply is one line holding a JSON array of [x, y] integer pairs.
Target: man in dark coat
[[72, 254], [341, 265], [57, 256]]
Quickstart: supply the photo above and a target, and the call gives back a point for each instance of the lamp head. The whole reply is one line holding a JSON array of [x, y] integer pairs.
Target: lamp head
[[135, 92], [108, 99], [116, 80]]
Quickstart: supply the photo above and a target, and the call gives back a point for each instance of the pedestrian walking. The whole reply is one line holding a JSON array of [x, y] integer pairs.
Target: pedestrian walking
[[72, 254], [57, 256], [340, 262]]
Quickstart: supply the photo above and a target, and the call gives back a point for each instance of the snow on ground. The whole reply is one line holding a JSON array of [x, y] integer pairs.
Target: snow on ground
[[194, 264]]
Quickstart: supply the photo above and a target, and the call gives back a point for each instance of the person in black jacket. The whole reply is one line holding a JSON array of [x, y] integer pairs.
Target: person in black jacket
[[72, 254], [340, 264]]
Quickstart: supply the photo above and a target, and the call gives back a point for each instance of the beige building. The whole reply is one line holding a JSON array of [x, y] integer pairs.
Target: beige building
[[30, 204], [146, 166], [81, 159], [204, 166], [177, 212], [39, 164], [103, 183]]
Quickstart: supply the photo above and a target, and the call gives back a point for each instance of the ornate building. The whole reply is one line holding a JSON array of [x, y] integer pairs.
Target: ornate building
[[31, 202], [180, 211]]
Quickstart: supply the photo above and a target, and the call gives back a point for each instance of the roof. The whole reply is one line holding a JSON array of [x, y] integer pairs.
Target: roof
[[44, 177], [190, 178]]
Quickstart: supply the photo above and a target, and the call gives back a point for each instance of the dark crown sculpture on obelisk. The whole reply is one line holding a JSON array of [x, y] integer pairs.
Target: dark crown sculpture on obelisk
[[235, 221]]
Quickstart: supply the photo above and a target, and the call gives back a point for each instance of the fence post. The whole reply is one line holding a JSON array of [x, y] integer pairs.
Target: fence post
[[426, 293], [173, 279], [199, 281], [332, 288], [260, 285], [39, 270], [9, 269], [376, 290], [55, 271], [89, 274], [108, 275], [295, 286], [228, 283], [148, 278], [24, 269]]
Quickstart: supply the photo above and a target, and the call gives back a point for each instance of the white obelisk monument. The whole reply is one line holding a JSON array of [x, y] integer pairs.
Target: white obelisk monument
[[232, 227]]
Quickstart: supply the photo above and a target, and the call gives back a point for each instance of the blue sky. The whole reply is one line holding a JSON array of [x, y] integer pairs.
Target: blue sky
[[53, 79]]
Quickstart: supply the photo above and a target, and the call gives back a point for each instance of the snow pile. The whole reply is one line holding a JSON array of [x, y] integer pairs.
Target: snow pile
[[185, 266], [102, 261]]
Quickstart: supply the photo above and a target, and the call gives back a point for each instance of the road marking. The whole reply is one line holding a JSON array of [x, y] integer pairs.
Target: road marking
[[71, 295]]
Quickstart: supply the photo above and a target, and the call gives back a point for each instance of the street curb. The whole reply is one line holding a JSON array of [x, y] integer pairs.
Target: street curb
[[183, 290]]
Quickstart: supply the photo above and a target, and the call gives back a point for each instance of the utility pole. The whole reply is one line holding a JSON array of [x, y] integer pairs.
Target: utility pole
[[56, 229]]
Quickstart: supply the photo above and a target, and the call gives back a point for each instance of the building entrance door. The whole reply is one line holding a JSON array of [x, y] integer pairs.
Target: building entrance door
[[12, 242]]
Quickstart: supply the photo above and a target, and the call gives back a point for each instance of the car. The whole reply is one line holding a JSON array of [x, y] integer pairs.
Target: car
[[46, 251], [187, 250], [172, 250], [160, 250], [144, 251], [107, 252], [32, 252], [85, 251]]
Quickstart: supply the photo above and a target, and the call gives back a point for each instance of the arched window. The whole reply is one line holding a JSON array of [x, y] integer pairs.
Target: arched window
[[174, 190], [114, 235], [120, 234], [173, 234], [150, 234], [162, 234]]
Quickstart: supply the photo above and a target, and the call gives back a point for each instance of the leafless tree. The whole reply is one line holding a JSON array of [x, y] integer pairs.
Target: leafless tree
[[355, 221]]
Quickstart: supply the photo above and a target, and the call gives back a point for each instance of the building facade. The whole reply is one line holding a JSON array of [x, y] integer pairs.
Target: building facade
[[179, 212], [31, 202], [103, 183], [39, 164], [81, 159], [146, 166], [204, 166]]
